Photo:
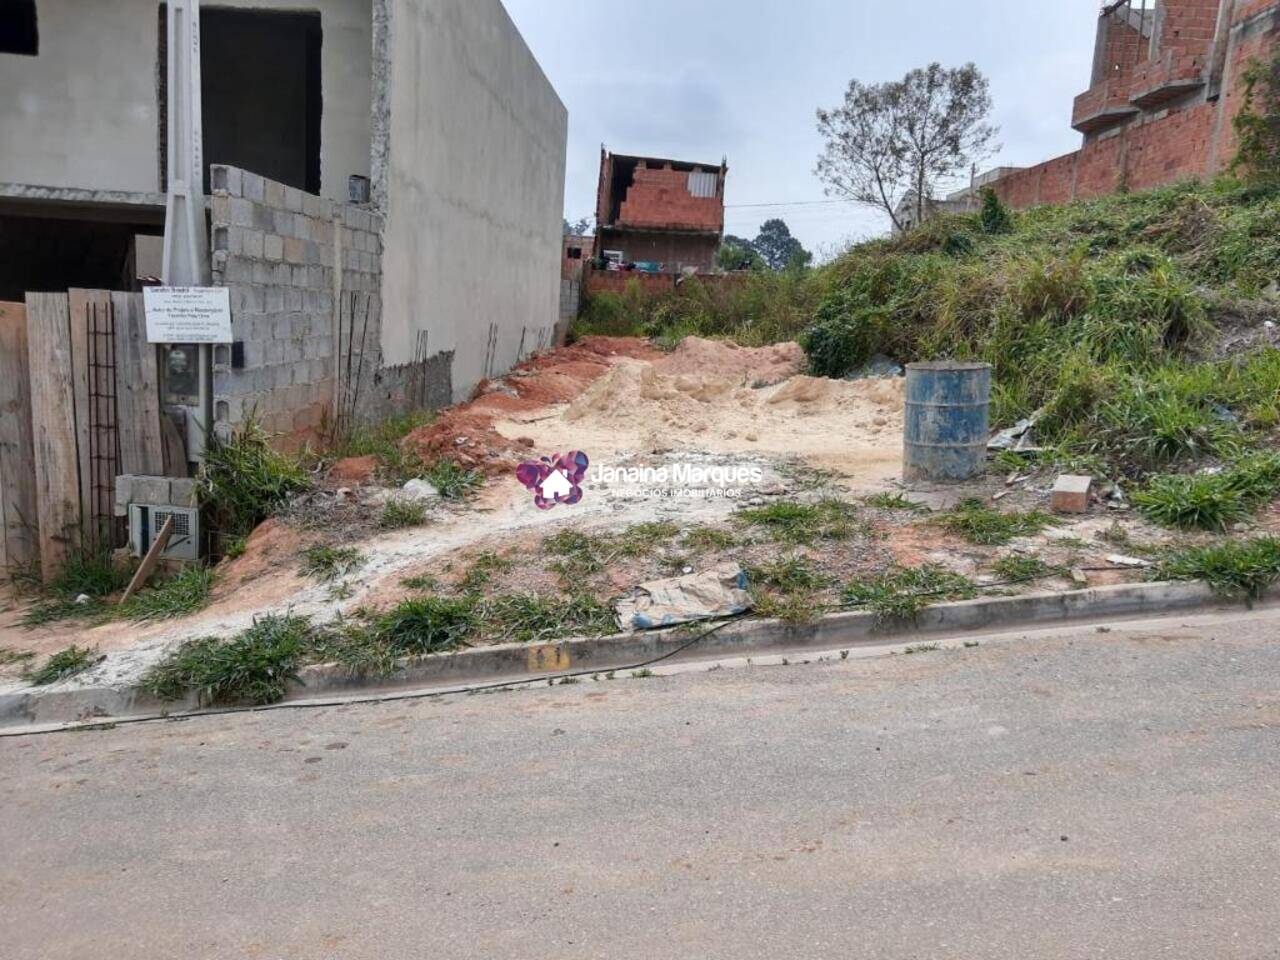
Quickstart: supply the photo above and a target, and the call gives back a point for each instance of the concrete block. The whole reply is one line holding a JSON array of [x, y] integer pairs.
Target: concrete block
[[301, 226], [182, 492], [283, 220], [274, 194], [251, 242], [312, 205], [264, 218], [150, 490], [1071, 494], [273, 246], [226, 180], [220, 210], [123, 495], [252, 186], [295, 250], [262, 273], [293, 199], [240, 212], [274, 352]]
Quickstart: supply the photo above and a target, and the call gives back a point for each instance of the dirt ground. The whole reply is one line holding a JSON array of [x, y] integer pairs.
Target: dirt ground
[[706, 404]]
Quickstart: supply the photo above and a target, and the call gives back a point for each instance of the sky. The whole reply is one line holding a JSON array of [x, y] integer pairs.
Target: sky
[[712, 78]]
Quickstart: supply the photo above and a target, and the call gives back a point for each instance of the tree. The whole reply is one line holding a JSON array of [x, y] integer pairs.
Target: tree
[[735, 253], [899, 140], [578, 229], [780, 250]]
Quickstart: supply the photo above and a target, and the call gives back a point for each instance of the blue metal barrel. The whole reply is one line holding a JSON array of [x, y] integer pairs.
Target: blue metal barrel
[[947, 420]]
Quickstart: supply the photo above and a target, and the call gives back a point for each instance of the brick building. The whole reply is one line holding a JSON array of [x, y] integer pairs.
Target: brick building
[[667, 213], [1166, 85]]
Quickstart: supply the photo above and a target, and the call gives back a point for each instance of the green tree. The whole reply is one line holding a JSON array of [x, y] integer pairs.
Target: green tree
[[995, 215], [779, 249], [579, 228], [1258, 122], [735, 253], [890, 142]]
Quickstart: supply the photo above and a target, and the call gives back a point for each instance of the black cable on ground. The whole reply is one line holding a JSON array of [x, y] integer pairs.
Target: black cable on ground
[[497, 684]]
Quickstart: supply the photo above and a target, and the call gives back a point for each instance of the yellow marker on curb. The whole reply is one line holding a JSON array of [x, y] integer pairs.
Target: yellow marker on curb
[[548, 656]]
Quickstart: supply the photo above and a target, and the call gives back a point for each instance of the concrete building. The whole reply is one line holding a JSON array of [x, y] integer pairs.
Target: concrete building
[[403, 159], [1165, 88], [665, 214], [965, 200]]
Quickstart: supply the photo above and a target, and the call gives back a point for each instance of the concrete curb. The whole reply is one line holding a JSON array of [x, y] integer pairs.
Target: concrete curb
[[67, 703]]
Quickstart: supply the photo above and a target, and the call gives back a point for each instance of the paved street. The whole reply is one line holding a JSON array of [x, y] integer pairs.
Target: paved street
[[1082, 794]]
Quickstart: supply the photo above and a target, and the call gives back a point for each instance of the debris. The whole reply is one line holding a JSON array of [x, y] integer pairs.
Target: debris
[[1120, 560], [1071, 493], [878, 367], [718, 592], [83, 599], [1019, 438], [1000, 495], [1079, 576]]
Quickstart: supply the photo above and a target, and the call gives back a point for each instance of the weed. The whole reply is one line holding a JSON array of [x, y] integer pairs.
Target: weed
[[790, 574], [901, 594], [1204, 500], [399, 513], [1243, 568], [452, 481], [244, 480], [708, 539], [577, 554], [233, 546], [254, 667], [482, 569], [802, 523], [427, 625], [1018, 568], [982, 524], [799, 607], [642, 674], [184, 593], [91, 574], [63, 665], [527, 617], [383, 440], [894, 501], [327, 563], [420, 583], [641, 539], [9, 657], [786, 589], [922, 648]]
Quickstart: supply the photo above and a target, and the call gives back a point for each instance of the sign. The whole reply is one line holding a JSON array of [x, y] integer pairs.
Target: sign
[[188, 314]]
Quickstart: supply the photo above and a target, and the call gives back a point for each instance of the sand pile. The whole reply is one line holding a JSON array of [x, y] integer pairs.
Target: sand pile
[[749, 365], [852, 427]]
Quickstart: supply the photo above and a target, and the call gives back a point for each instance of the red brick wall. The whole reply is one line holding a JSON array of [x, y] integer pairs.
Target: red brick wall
[[661, 198], [1193, 141], [615, 281]]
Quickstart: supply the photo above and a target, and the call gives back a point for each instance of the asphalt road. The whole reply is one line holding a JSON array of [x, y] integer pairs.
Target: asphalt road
[[1080, 794]]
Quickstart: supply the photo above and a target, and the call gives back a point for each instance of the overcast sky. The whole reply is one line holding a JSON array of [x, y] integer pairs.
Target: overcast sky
[[702, 79]]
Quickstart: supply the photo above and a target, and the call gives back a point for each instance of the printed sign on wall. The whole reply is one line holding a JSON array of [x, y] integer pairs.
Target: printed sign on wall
[[188, 314]]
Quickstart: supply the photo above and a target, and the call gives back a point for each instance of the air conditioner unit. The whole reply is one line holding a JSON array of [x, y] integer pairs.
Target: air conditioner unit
[[146, 520]]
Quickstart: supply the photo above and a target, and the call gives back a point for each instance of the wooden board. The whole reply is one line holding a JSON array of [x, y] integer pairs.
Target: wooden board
[[53, 429], [137, 390], [17, 470]]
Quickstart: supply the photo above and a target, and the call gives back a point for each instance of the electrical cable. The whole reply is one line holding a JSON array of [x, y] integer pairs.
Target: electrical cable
[[549, 679]]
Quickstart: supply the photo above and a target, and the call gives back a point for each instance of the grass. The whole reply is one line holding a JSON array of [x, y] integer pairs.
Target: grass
[[803, 523], [982, 524], [426, 625], [1240, 568], [452, 481], [787, 589], [1019, 568], [244, 480], [184, 593], [383, 440], [528, 618], [1211, 501], [578, 554], [708, 539], [894, 501], [399, 513], [901, 594], [482, 569], [253, 667], [63, 665], [327, 563], [92, 574]]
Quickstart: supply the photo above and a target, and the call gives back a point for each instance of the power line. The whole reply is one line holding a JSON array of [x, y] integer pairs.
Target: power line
[[785, 203]]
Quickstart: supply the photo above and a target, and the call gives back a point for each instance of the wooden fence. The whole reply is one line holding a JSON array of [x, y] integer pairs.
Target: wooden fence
[[80, 396]]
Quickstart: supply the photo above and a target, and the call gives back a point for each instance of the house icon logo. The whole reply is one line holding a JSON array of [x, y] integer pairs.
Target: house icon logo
[[555, 479]]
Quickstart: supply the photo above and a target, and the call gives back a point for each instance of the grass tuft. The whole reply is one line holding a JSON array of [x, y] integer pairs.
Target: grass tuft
[[63, 665], [452, 481], [399, 513], [984, 525], [1018, 568], [326, 563], [184, 593], [1238, 568], [244, 480], [803, 523], [901, 594]]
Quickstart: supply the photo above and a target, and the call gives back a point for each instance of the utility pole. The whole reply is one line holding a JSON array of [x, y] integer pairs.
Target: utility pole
[[186, 233]]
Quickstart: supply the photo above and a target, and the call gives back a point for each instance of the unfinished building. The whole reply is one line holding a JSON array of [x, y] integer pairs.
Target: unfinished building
[[385, 182], [1165, 88], [659, 216]]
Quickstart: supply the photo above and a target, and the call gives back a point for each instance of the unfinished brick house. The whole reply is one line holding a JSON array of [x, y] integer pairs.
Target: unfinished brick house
[[665, 215], [1166, 85], [366, 165]]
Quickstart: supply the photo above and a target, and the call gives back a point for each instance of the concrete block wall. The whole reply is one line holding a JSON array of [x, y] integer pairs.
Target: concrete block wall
[[278, 250]]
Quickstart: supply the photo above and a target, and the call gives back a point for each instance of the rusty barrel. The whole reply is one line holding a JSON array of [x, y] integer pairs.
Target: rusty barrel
[[947, 420]]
